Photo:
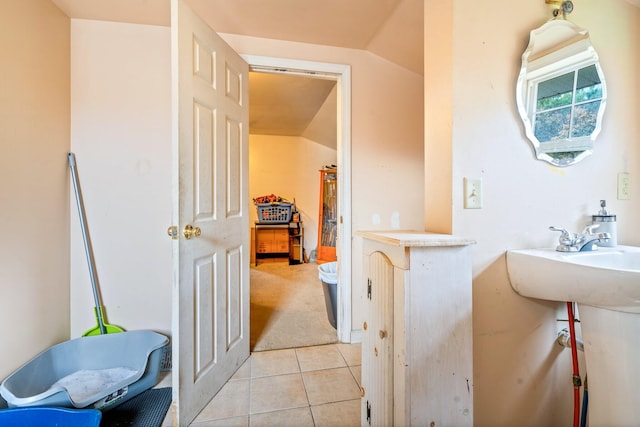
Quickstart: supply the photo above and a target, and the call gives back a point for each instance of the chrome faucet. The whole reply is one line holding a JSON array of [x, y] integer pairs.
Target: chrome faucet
[[583, 242]]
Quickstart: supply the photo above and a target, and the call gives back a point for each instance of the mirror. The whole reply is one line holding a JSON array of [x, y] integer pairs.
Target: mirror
[[561, 93]]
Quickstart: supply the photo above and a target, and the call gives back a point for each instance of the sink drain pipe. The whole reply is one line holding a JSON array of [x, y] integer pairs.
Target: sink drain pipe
[[577, 382]]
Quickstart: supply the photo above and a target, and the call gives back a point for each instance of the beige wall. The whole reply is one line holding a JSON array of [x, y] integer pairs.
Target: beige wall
[[387, 131], [521, 376], [119, 124], [121, 134], [387, 139], [288, 166], [34, 183], [438, 115]]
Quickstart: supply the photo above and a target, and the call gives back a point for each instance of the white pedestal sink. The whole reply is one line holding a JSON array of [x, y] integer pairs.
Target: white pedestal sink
[[606, 285]]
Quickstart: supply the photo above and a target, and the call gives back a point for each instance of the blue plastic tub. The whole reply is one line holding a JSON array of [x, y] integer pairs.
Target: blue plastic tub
[[50, 417], [98, 372]]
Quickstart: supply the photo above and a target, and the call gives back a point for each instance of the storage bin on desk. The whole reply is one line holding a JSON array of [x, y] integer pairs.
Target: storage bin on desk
[[276, 213]]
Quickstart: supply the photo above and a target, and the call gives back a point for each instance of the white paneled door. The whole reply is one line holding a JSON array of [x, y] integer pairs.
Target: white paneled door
[[211, 275]]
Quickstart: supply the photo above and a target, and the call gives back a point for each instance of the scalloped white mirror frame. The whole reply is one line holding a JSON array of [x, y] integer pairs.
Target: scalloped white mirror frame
[[556, 46]]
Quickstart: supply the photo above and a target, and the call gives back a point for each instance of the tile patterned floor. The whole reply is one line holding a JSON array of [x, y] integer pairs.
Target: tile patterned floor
[[309, 386]]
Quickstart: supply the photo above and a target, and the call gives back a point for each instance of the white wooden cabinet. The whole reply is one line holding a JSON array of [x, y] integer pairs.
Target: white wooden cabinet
[[417, 352]]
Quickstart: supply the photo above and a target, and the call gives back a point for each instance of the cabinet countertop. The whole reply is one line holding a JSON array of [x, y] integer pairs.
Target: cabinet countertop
[[415, 238]]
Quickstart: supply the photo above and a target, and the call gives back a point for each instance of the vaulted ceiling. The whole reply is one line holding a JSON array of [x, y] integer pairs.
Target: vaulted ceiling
[[392, 29], [276, 98], [289, 105]]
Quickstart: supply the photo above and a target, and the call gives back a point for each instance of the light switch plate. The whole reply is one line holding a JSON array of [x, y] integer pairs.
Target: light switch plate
[[472, 193], [624, 186]]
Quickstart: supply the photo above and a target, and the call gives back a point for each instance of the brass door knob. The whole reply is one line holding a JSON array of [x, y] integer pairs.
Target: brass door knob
[[191, 231]]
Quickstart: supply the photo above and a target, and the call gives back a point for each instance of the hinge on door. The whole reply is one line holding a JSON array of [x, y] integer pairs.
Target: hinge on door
[[368, 412], [369, 288]]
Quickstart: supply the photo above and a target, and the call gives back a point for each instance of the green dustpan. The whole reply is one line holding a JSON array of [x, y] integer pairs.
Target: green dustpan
[[101, 328]]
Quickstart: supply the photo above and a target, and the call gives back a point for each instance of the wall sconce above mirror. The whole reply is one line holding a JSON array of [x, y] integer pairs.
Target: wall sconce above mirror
[[561, 93]]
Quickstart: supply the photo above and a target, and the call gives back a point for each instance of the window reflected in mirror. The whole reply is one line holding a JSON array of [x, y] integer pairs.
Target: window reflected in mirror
[[567, 105]]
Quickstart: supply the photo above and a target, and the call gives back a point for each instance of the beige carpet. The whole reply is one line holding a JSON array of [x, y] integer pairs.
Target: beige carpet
[[287, 307]]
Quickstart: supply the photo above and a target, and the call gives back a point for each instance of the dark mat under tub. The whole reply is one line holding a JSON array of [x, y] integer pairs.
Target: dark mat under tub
[[148, 409]]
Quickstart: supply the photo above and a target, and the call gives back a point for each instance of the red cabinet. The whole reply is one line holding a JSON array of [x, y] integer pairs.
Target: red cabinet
[[328, 216]]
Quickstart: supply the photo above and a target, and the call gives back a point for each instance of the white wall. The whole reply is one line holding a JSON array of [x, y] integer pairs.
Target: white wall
[[521, 376], [288, 166], [34, 209], [121, 134]]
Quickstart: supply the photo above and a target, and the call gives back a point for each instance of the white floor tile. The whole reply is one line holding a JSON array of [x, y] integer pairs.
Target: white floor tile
[[320, 357], [277, 393]]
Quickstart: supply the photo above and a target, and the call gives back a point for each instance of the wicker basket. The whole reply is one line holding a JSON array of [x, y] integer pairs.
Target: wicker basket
[[274, 213]]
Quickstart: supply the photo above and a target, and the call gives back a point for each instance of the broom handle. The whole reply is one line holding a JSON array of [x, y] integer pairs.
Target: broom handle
[[87, 242]]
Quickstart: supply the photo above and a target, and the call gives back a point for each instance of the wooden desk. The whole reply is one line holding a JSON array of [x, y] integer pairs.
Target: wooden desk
[[279, 240]]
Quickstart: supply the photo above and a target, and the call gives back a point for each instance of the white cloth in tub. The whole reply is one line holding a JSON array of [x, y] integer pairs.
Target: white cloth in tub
[[82, 385]]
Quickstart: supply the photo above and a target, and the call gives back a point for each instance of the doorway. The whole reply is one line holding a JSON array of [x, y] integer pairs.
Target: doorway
[[339, 76]]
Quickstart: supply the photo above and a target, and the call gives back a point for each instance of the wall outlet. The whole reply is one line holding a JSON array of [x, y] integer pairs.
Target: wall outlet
[[472, 193], [624, 186]]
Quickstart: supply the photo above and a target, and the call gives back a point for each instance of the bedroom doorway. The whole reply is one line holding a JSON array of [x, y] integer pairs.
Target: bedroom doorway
[[333, 81]]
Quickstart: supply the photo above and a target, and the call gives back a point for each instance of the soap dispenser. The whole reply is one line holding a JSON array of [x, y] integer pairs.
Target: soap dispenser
[[607, 222]]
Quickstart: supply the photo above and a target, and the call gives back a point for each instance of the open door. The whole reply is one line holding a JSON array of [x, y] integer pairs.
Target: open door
[[210, 213]]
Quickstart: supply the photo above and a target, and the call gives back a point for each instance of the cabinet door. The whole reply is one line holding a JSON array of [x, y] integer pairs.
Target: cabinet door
[[377, 342]]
